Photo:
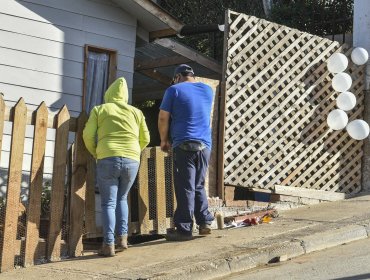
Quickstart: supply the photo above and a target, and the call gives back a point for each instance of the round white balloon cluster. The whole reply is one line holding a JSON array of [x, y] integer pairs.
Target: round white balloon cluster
[[346, 101]]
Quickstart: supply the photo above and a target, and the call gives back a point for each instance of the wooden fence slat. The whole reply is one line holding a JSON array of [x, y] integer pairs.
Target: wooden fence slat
[[13, 187], [58, 185], [143, 195], [36, 180], [90, 219], [78, 190], [160, 191]]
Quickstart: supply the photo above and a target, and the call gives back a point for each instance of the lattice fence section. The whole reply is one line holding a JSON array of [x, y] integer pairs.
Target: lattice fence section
[[278, 94]]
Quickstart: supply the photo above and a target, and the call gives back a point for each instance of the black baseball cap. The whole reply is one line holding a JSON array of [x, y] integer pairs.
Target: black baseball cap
[[183, 68]]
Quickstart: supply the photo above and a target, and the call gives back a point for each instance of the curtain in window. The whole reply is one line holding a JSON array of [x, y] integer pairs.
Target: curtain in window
[[96, 79]]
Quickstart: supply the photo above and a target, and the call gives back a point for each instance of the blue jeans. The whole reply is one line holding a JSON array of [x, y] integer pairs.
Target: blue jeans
[[115, 176], [189, 170]]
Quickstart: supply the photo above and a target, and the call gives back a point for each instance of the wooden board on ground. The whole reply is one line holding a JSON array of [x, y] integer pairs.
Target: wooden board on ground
[[309, 193]]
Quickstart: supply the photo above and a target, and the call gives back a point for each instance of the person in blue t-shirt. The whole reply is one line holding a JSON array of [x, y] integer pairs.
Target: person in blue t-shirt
[[184, 124]]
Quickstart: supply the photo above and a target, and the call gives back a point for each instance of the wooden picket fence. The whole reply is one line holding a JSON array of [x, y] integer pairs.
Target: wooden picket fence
[[72, 203]]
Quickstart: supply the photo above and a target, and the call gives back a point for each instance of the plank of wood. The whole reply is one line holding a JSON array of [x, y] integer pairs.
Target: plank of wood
[[36, 179], [78, 190], [156, 11], [13, 187], [58, 185], [159, 62], [211, 176], [143, 195], [309, 193], [90, 218], [222, 115], [168, 32], [160, 191], [190, 54]]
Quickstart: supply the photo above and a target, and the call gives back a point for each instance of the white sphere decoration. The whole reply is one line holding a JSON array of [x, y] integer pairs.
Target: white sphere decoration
[[342, 82], [346, 101], [337, 119], [358, 129], [337, 63], [359, 56]]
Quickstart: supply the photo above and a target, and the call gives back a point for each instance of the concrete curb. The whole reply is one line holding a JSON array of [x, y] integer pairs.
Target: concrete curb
[[282, 251], [335, 237]]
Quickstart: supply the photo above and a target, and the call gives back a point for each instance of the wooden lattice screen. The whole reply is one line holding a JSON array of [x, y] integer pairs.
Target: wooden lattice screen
[[278, 94]]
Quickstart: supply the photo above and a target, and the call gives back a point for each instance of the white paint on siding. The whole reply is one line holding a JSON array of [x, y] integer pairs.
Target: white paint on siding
[[88, 8], [39, 80], [37, 13], [66, 34], [45, 47], [31, 96], [41, 63]]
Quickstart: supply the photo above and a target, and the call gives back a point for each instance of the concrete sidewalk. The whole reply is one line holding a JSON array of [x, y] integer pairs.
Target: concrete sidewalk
[[295, 232]]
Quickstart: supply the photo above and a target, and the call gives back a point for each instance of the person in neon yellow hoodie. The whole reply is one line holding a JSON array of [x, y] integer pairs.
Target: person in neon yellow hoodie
[[115, 134]]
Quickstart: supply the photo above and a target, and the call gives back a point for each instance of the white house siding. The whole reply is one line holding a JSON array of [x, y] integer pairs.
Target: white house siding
[[42, 56]]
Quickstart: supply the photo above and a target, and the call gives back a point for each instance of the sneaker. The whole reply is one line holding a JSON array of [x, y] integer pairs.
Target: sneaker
[[121, 243], [205, 229], [107, 250], [175, 235]]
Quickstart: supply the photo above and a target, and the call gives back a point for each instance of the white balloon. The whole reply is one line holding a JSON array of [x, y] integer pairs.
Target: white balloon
[[346, 101], [342, 82], [337, 119], [359, 56], [358, 129], [337, 63]]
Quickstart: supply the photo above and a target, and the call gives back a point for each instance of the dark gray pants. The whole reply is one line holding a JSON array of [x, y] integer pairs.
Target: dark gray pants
[[189, 175]]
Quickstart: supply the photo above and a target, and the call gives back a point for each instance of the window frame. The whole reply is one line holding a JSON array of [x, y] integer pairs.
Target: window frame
[[112, 67]]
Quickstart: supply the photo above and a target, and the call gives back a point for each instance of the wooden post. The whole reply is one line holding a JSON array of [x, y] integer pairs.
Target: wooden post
[[78, 190], [58, 185], [221, 139], [160, 191], [36, 178], [13, 187]]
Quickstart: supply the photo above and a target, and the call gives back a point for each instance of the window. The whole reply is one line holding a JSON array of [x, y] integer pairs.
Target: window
[[100, 72]]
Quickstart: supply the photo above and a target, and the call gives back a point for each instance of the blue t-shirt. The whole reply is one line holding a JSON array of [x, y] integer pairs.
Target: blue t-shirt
[[190, 106]]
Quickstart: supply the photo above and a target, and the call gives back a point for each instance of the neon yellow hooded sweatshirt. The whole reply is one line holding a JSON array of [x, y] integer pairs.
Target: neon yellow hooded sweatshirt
[[116, 128]]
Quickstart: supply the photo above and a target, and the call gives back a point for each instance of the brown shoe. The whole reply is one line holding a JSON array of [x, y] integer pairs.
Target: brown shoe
[[205, 229], [107, 250], [122, 243]]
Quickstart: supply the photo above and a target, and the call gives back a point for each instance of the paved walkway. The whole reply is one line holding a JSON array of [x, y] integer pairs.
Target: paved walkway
[[295, 232]]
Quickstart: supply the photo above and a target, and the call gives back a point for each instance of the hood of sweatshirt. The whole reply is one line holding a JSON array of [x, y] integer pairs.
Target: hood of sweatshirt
[[117, 92]]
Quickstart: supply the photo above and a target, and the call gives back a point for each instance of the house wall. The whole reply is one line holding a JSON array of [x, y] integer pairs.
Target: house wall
[[42, 56], [42, 48]]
